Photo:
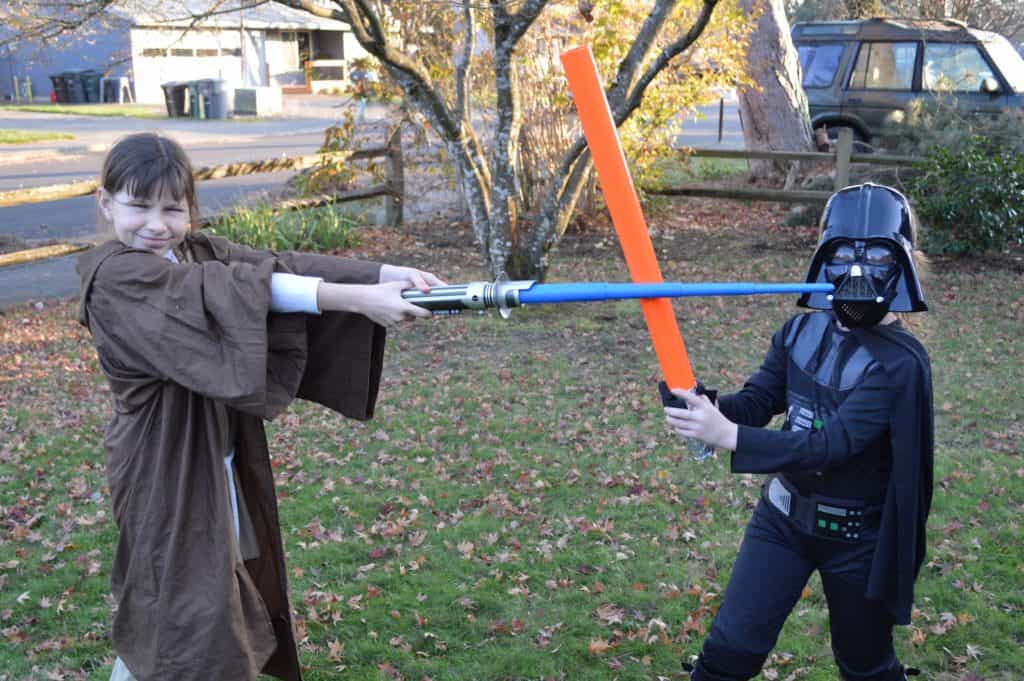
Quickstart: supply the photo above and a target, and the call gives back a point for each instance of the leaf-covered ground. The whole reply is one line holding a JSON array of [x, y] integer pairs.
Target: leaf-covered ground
[[516, 509]]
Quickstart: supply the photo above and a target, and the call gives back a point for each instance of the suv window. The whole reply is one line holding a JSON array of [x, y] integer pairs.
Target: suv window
[[884, 66], [953, 67], [819, 63]]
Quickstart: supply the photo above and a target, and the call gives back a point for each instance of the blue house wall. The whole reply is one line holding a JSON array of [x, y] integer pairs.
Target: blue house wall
[[106, 51]]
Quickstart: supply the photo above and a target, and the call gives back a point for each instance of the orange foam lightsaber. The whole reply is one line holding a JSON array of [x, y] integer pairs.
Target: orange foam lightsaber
[[627, 217]]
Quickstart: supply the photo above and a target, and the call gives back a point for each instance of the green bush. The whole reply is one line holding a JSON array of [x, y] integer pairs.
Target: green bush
[[939, 123], [310, 229], [970, 199]]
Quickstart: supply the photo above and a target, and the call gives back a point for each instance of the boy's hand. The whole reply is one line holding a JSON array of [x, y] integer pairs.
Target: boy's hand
[[701, 420]]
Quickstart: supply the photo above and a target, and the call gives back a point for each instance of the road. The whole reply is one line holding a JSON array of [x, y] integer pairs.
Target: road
[[75, 219]]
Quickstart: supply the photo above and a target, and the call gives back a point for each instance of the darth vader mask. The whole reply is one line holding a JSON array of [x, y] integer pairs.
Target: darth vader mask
[[864, 274], [866, 252]]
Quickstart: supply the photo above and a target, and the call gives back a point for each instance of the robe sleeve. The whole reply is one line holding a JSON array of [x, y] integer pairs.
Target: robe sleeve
[[201, 325], [345, 350], [334, 269]]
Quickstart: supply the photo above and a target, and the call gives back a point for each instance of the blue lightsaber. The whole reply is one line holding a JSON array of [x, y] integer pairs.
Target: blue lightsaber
[[505, 295]]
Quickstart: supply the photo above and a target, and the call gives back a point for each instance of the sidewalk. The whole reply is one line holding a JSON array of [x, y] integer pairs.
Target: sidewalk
[[303, 114]]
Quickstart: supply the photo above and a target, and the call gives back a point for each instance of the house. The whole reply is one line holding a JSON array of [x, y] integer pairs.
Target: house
[[156, 41]]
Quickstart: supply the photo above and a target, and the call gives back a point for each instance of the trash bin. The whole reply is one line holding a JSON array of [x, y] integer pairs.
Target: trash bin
[[174, 97], [76, 92], [91, 85], [195, 100], [60, 88], [218, 103]]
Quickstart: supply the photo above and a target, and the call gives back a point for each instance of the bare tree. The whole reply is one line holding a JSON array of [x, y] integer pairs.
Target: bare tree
[[513, 241], [474, 103]]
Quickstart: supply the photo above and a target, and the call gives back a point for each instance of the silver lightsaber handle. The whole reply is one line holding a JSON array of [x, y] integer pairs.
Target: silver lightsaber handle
[[476, 295]]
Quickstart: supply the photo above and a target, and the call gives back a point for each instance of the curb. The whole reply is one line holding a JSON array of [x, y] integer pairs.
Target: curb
[[43, 252]]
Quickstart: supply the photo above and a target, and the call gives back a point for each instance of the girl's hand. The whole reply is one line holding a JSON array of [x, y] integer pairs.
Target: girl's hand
[[701, 420], [383, 303], [412, 277]]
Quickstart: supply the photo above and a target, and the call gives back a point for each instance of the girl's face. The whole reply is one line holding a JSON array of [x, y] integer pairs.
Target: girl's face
[[156, 224]]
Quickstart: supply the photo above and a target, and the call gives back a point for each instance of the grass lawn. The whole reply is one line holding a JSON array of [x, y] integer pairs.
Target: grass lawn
[[516, 508], [127, 110], [10, 136]]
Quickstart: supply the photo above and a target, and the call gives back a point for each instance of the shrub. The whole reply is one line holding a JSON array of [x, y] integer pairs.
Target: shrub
[[310, 229], [939, 123], [970, 199]]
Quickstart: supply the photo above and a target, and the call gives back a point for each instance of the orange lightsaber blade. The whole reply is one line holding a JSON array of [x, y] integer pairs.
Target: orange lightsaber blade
[[624, 206]]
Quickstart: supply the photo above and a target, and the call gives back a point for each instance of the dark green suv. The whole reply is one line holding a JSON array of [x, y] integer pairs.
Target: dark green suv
[[863, 74]]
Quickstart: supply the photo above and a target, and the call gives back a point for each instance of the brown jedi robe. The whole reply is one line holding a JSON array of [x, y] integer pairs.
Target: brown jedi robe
[[184, 346]]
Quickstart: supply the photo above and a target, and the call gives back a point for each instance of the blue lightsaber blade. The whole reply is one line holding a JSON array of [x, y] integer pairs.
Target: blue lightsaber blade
[[504, 295]]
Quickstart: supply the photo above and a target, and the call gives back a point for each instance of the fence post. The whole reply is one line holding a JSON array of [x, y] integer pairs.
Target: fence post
[[721, 115], [395, 180], [843, 151]]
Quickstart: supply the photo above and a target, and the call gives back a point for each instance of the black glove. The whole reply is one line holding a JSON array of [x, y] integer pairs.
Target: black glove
[[670, 400]]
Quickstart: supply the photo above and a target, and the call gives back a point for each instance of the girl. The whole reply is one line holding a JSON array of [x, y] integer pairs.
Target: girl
[[198, 339], [851, 468]]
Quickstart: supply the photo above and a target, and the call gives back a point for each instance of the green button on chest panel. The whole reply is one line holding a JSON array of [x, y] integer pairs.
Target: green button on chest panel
[[838, 523]]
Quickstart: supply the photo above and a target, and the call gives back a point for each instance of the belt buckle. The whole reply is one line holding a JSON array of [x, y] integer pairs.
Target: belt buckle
[[838, 522], [780, 497]]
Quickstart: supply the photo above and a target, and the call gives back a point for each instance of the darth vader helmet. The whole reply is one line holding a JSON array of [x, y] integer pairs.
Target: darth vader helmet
[[866, 252]]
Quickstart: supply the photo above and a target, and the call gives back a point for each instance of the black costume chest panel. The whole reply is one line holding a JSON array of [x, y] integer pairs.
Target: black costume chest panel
[[825, 365]]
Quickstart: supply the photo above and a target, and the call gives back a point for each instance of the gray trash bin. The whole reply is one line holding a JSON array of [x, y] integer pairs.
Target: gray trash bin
[[217, 106]]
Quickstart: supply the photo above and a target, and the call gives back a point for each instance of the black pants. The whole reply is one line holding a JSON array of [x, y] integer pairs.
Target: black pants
[[773, 566]]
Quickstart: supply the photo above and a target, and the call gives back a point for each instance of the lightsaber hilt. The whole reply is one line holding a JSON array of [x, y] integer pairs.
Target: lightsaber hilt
[[476, 295], [699, 450]]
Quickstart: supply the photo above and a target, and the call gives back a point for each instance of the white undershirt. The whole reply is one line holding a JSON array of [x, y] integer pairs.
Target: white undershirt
[[288, 293]]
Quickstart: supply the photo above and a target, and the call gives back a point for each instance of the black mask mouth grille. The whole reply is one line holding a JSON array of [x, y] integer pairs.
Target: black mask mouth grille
[[858, 314]]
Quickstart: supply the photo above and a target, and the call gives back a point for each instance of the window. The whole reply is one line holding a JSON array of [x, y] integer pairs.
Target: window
[[287, 35], [206, 52], [154, 52], [884, 66], [181, 52], [819, 63], [231, 52], [954, 67]]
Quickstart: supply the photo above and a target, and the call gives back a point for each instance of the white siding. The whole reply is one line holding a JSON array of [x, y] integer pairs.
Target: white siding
[[162, 55]]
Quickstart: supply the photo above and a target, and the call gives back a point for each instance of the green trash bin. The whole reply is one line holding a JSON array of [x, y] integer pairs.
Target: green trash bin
[[195, 100], [76, 93], [91, 85]]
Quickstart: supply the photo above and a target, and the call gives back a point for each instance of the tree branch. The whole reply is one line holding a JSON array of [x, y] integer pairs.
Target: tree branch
[[638, 50], [636, 94]]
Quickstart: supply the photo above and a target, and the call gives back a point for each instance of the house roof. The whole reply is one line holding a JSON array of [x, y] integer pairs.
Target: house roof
[[229, 14]]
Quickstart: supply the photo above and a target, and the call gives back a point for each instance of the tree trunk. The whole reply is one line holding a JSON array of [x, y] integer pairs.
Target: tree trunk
[[774, 112]]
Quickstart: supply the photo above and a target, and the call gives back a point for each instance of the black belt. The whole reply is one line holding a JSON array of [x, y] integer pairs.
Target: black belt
[[830, 517]]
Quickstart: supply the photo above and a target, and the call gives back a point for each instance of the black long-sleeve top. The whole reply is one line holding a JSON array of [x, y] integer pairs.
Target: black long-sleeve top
[[838, 403]]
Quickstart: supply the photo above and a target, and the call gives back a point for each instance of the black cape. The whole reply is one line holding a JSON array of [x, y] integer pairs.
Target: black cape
[[902, 534]]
